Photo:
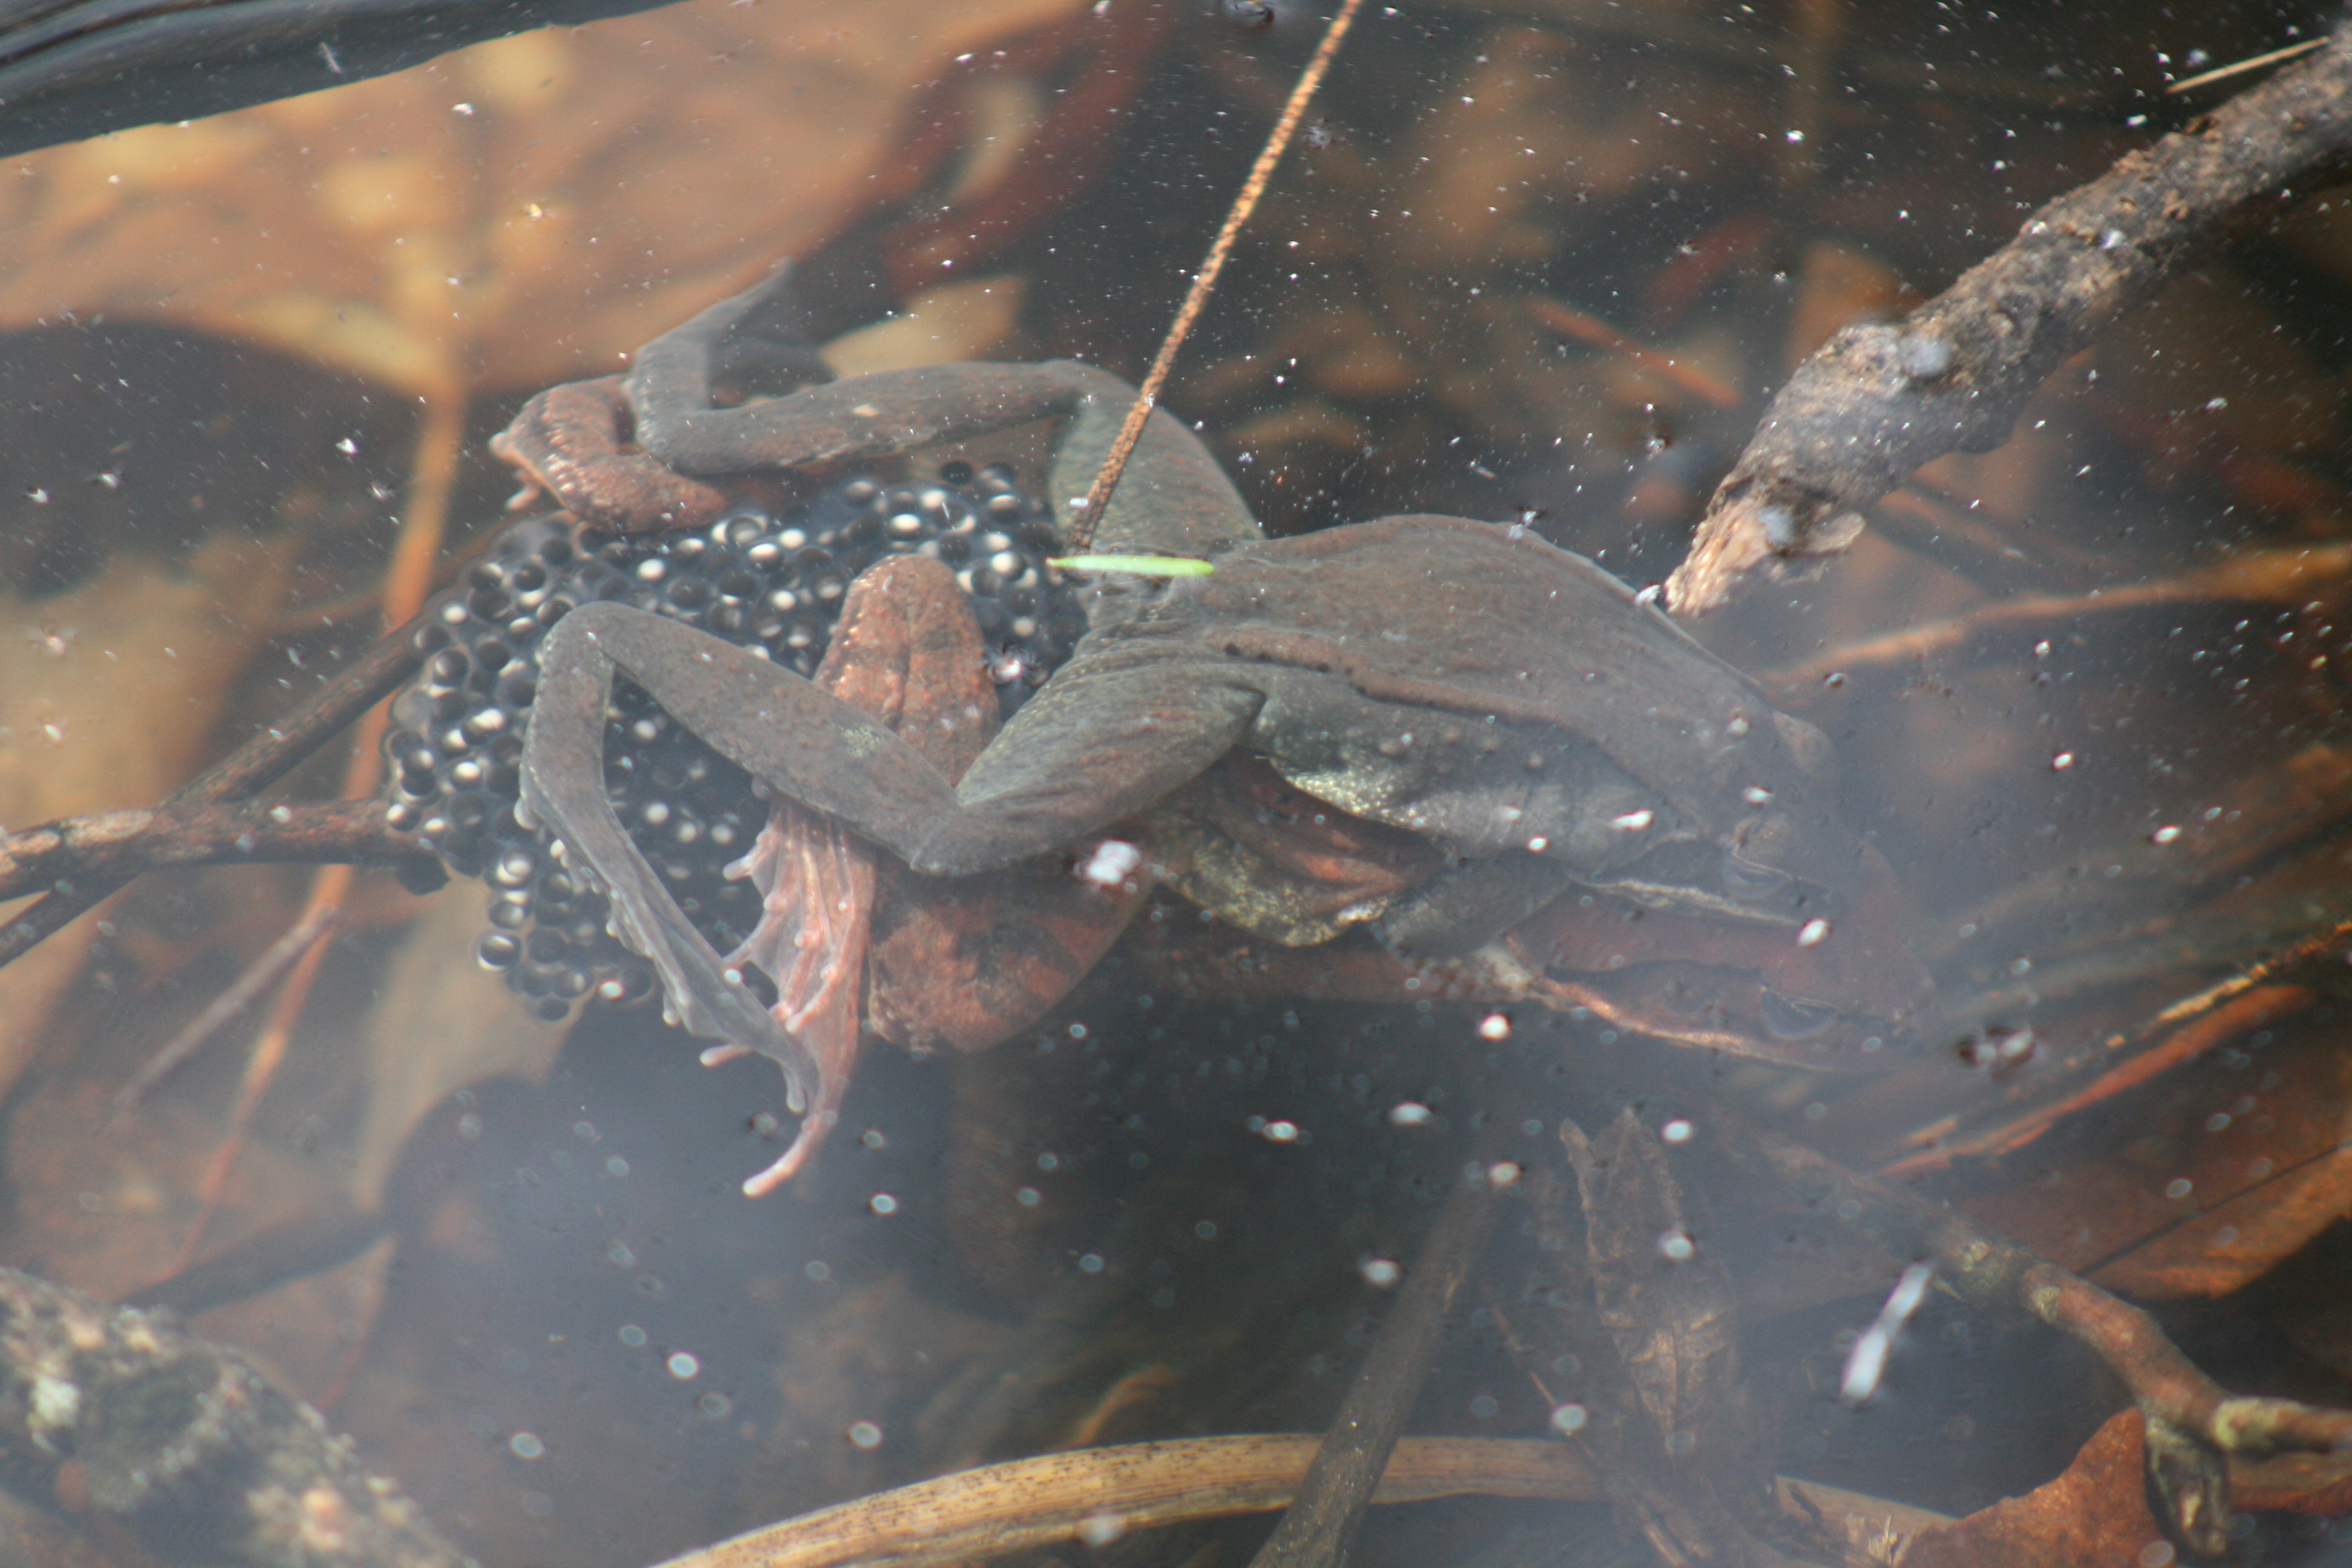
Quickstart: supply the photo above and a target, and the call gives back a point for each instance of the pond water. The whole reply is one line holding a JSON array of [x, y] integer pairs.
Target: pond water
[[1541, 265]]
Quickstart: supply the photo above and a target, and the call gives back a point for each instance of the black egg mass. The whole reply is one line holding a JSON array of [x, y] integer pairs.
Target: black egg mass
[[454, 748]]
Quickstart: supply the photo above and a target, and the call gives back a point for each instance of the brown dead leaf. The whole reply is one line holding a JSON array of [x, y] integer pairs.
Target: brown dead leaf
[[104, 1206], [2093, 1516], [108, 694], [506, 214], [2229, 1170]]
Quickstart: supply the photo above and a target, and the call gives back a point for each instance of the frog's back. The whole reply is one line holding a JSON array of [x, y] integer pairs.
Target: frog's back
[[1480, 617], [1486, 620]]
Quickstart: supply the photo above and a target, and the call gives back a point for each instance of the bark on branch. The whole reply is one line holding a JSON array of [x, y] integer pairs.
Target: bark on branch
[[113, 1411], [1877, 401], [244, 773], [69, 856]]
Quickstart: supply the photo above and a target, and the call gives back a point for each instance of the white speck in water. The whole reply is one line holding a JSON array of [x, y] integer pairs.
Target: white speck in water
[[1111, 863], [526, 1446], [1538, 844], [1380, 1273], [1494, 1027], [1280, 1132], [683, 1364], [1677, 1131], [864, 1435], [633, 1336], [1410, 1113], [2165, 835], [1633, 821], [2178, 1187], [1569, 1419], [2062, 762], [1090, 1263], [1102, 1529], [1676, 1247], [1867, 1362], [1813, 932], [883, 1203], [1503, 1173]]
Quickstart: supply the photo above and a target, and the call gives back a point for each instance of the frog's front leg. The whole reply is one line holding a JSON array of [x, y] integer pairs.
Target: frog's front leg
[[571, 441], [1174, 499]]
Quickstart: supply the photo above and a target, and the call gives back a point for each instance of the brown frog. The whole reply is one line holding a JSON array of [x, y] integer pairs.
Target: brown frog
[[1490, 722]]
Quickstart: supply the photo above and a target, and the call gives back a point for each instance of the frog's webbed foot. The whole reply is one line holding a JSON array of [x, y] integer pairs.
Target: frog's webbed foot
[[568, 441], [816, 885]]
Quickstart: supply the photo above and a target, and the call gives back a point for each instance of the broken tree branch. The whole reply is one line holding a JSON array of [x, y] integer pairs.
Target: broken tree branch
[[1878, 400]]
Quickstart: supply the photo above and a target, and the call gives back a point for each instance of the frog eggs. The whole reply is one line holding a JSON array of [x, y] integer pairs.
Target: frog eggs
[[454, 748]]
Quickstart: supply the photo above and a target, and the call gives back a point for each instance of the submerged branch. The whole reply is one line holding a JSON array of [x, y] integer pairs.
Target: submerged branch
[[2194, 1424], [1877, 401], [79, 853], [191, 1445], [1098, 1494], [245, 772]]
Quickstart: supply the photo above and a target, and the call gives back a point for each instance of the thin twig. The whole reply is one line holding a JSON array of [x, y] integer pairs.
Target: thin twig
[[440, 445], [1322, 1520], [1082, 531], [1098, 1494], [2294, 576], [259, 977], [2223, 73]]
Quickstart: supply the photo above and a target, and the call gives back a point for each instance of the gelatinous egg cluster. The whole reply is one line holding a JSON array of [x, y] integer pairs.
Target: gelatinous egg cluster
[[454, 748]]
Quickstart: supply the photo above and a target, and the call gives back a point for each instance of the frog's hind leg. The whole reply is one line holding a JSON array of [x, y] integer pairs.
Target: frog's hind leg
[[906, 650], [564, 789]]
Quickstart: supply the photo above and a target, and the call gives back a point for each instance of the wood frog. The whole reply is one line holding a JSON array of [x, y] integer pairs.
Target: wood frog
[[1489, 733]]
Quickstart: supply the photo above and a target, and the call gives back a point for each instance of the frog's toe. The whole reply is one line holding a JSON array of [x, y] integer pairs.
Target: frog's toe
[[812, 1134], [823, 1114]]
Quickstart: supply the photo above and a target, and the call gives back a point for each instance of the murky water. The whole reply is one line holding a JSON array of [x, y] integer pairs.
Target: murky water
[[1543, 264]]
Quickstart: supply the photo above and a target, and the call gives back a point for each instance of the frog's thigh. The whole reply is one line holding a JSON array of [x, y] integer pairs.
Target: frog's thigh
[[1105, 737], [803, 742], [563, 787]]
